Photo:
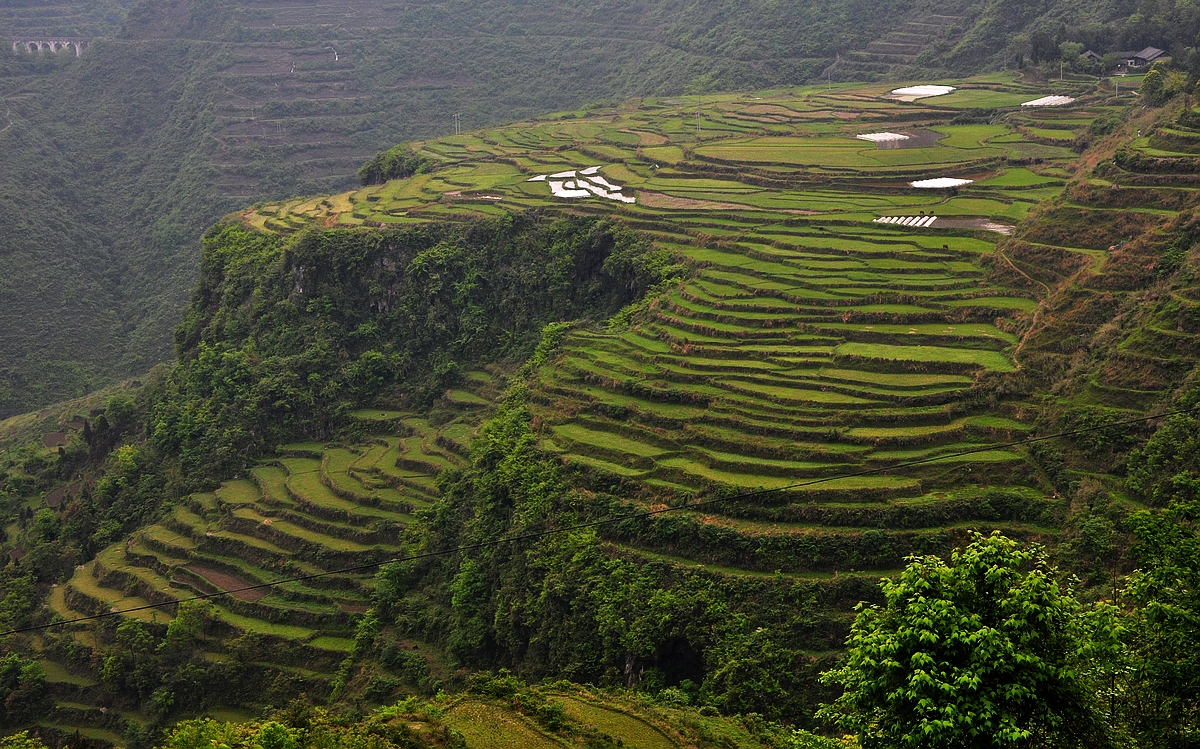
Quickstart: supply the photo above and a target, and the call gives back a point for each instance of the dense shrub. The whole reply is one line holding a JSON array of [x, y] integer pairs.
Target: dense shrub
[[285, 337]]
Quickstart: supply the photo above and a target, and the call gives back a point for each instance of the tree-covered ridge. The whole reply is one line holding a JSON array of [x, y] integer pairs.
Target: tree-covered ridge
[[285, 338]]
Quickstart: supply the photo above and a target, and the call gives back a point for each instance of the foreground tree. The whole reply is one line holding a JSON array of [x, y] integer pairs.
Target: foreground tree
[[977, 652], [1166, 588]]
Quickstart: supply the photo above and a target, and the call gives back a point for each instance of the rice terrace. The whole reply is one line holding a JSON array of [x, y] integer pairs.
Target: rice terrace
[[812, 340], [866, 276]]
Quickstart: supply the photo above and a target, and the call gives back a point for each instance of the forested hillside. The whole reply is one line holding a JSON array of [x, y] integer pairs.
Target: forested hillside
[[816, 405], [114, 163], [69, 18], [647, 399]]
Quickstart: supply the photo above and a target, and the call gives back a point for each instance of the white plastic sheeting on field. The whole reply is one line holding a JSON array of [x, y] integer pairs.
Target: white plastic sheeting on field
[[941, 182], [920, 92], [882, 137], [1050, 101], [583, 183]]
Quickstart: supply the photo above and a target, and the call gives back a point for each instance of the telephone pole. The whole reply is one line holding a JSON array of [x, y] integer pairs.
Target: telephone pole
[[457, 124]]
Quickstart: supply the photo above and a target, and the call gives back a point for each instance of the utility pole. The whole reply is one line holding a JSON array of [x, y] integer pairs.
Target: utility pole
[[457, 124]]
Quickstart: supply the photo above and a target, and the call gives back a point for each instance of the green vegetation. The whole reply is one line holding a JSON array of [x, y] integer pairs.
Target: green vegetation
[[179, 113], [407, 725], [182, 112], [429, 317], [497, 711], [444, 365], [982, 646]]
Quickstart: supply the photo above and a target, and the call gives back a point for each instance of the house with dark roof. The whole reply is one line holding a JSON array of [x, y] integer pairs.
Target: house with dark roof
[[1147, 56], [1092, 56]]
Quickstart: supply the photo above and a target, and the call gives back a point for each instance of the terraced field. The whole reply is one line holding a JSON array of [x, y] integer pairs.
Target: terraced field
[[316, 508], [1133, 211], [812, 350], [812, 340], [491, 725], [309, 91]]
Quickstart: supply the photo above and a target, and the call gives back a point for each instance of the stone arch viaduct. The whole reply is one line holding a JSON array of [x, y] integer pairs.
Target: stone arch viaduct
[[50, 44]]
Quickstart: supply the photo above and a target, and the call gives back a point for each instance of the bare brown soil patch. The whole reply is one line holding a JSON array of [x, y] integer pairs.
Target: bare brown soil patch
[[228, 582], [54, 439], [659, 200], [56, 497], [351, 608]]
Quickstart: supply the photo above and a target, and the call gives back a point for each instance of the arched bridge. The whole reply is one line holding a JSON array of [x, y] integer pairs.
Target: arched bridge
[[49, 44]]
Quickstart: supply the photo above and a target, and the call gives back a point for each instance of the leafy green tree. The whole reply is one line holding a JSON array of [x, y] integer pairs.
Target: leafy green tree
[[22, 689], [1166, 587], [977, 652], [19, 596], [1153, 88], [1069, 52], [395, 163], [1169, 460], [120, 409], [21, 740]]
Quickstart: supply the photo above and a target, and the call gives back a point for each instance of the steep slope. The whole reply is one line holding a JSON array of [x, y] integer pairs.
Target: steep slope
[[196, 109], [70, 18], [835, 324]]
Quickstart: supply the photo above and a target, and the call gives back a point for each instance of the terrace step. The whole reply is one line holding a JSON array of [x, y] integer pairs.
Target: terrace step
[[796, 548]]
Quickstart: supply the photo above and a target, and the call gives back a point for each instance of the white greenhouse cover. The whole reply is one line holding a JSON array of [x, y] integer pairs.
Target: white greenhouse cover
[[1050, 101]]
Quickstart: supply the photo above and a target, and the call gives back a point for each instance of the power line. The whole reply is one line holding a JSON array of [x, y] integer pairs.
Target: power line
[[607, 521]]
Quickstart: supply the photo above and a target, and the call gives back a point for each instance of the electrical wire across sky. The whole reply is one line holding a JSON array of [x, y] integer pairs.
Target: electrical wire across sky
[[641, 514]]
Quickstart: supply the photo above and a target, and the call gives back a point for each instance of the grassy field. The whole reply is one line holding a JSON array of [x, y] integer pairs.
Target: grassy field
[[488, 726]]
